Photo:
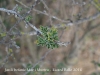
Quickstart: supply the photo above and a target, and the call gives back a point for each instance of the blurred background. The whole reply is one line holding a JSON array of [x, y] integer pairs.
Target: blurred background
[[82, 53]]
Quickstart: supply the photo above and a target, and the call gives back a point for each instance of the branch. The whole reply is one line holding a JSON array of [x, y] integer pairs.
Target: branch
[[79, 21]]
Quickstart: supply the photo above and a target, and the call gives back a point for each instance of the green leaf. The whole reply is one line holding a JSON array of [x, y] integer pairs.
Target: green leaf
[[19, 8], [0, 57], [29, 73], [28, 18], [29, 66], [93, 74], [10, 50], [97, 4], [3, 34], [60, 65], [96, 63], [36, 67]]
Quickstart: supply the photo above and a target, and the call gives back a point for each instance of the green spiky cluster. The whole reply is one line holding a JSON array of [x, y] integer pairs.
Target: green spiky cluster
[[48, 38]]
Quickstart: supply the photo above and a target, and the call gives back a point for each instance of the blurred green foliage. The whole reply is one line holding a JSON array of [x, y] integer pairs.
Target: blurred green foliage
[[28, 18], [97, 4], [19, 9], [96, 63], [29, 66], [4, 3], [7, 24], [49, 37], [0, 57], [60, 65], [2, 34], [96, 73]]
